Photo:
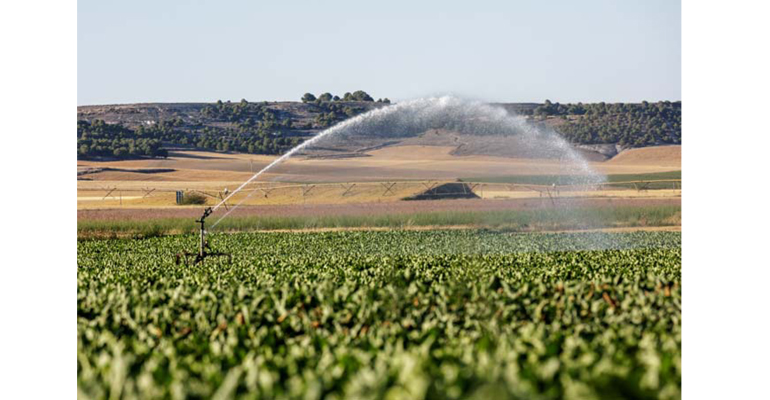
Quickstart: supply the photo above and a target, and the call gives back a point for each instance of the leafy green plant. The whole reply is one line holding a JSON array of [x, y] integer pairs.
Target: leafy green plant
[[390, 314]]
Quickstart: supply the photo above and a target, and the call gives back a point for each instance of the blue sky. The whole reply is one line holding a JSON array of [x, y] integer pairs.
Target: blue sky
[[511, 51]]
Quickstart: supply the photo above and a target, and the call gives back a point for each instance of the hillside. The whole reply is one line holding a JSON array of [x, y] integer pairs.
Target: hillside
[[601, 130]]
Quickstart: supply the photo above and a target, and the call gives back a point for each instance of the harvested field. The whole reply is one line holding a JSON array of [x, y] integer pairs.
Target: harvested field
[[647, 159], [394, 162], [364, 179]]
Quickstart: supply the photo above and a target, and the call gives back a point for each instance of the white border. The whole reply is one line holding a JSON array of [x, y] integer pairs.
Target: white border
[[726, 160], [38, 257]]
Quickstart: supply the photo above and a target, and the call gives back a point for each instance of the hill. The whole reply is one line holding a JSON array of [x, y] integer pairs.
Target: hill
[[601, 130]]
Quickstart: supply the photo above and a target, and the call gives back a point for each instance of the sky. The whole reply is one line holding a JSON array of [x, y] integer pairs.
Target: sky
[[496, 51]]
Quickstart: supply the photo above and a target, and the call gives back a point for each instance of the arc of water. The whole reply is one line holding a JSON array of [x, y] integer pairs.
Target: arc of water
[[295, 150], [336, 128], [419, 115]]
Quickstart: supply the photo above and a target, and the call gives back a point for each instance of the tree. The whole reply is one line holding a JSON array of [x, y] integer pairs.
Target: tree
[[336, 98], [360, 95], [308, 97], [325, 97], [120, 152], [347, 97]]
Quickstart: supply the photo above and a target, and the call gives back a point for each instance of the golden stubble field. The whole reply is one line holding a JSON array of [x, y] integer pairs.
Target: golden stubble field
[[384, 175]]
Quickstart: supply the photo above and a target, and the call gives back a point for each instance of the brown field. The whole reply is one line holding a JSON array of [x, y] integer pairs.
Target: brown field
[[318, 181], [395, 162], [646, 159]]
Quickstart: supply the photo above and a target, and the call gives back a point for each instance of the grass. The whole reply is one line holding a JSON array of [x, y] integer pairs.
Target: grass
[[516, 221], [576, 179]]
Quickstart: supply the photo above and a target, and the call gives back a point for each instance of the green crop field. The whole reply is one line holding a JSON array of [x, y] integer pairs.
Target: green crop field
[[390, 314], [581, 179]]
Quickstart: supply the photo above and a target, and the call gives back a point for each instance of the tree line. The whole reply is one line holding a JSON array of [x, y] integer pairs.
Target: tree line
[[627, 124], [98, 139], [358, 95], [244, 127], [256, 128]]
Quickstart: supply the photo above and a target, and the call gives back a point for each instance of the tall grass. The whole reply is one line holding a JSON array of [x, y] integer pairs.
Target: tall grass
[[527, 220]]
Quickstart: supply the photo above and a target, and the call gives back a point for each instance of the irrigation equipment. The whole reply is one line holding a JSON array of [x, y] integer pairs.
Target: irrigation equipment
[[204, 250]]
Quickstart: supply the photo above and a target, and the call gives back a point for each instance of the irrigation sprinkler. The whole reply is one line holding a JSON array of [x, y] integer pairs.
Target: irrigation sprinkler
[[203, 247]]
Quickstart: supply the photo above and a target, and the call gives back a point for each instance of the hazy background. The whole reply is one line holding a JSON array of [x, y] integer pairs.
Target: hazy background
[[567, 51]]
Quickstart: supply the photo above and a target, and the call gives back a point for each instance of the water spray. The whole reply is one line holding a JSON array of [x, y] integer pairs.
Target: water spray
[[412, 118]]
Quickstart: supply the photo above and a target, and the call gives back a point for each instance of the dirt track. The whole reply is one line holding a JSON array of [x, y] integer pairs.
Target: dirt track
[[400, 207]]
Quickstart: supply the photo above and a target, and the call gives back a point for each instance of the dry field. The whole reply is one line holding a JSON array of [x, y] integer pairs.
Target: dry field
[[307, 181], [647, 159]]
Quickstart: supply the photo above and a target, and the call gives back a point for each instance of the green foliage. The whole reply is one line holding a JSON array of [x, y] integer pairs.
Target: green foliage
[[254, 128], [627, 124], [98, 139], [502, 220], [257, 128], [332, 113], [576, 179], [441, 314], [360, 95]]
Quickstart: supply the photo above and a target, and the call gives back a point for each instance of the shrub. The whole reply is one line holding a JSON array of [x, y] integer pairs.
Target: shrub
[[190, 198]]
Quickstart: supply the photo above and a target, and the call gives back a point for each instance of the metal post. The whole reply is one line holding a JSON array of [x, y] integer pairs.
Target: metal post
[[202, 246], [203, 251]]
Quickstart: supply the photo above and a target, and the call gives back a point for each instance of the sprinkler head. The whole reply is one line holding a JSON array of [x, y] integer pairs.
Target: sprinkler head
[[206, 213]]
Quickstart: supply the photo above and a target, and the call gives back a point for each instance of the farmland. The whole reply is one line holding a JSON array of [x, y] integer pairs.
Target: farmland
[[391, 314], [498, 215]]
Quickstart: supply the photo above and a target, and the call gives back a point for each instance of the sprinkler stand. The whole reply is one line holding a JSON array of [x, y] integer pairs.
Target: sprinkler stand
[[203, 246]]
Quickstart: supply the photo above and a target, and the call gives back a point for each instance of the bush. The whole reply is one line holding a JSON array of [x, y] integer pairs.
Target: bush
[[308, 97], [193, 198]]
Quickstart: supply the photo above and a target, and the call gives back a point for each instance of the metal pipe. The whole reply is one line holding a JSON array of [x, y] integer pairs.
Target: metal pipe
[[202, 246], [202, 221]]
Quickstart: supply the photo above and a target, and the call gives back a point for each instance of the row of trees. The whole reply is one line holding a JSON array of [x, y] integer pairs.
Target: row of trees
[[331, 113], [257, 128], [358, 95], [243, 111], [98, 139], [627, 124], [229, 140]]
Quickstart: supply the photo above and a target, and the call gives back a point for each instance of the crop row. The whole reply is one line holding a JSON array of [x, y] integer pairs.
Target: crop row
[[441, 314]]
